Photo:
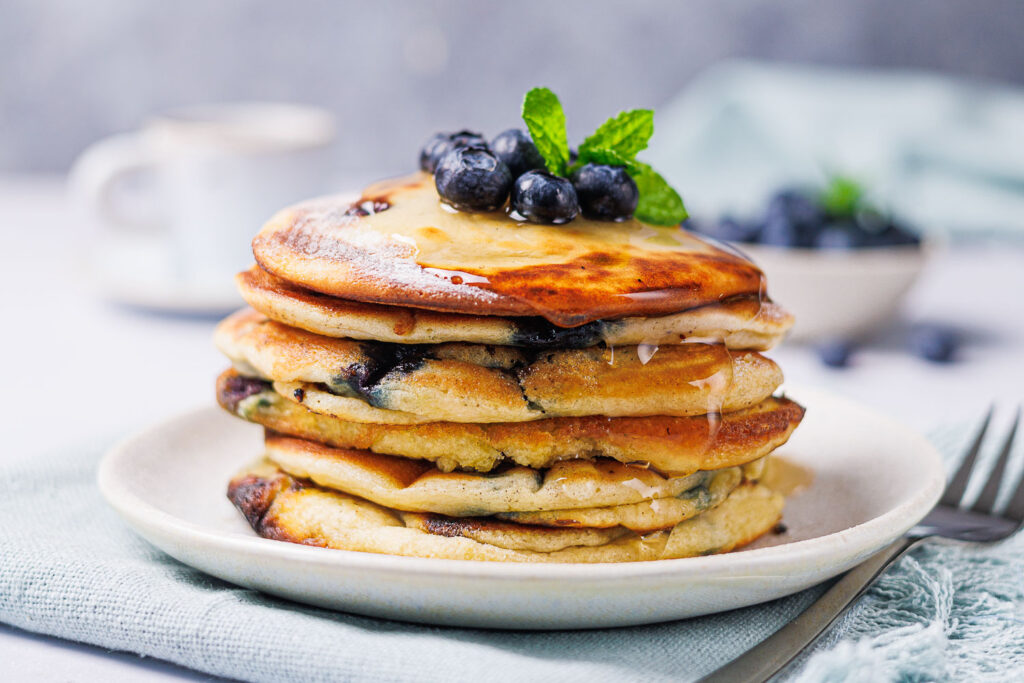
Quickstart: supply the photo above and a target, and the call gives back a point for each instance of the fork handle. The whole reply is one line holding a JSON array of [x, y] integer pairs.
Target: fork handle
[[768, 658]]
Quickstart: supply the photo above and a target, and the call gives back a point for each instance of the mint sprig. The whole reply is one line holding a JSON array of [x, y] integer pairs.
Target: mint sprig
[[616, 142], [545, 119], [842, 197], [625, 134], [659, 203]]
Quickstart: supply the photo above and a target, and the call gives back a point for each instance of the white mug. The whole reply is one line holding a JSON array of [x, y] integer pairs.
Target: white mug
[[178, 202]]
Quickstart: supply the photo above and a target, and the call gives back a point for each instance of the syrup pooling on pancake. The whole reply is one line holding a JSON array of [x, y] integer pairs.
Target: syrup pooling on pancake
[[417, 253]]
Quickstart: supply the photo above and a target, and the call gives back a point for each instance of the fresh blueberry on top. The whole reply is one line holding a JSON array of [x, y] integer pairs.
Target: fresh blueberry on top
[[517, 150], [473, 179], [433, 150], [933, 342], [605, 192], [442, 143], [541, 197]]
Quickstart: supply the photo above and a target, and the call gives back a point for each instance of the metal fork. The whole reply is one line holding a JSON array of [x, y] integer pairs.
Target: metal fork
[[949, 519]]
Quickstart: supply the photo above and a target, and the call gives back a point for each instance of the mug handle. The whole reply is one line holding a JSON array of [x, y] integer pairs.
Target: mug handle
[[100, 168]]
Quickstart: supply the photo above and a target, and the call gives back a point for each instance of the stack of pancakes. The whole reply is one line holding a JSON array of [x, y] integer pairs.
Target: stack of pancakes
[[443, 384]]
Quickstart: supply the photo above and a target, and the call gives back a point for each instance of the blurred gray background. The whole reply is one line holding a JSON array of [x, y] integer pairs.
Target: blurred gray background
[[73, 71]]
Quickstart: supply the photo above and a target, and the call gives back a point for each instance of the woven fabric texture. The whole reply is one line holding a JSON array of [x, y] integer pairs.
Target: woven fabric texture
[[70, 568]]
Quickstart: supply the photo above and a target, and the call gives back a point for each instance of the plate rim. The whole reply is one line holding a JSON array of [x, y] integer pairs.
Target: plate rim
[[137, 512]]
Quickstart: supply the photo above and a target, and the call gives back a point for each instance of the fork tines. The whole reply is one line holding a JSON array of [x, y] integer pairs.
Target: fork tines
[[985, 504]]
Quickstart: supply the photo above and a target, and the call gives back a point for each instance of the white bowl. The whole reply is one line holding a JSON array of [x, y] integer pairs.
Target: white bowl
[[834, 293]]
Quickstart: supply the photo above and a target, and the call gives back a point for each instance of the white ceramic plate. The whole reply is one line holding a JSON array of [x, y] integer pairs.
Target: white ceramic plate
[[873, 480]]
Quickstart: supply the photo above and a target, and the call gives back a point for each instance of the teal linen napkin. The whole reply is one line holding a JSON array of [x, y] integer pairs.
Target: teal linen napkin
[[70, 568], [945, 154]]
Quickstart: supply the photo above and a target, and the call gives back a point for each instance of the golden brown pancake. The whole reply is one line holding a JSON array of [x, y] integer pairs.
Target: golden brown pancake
[[672, 445], [738, 323], [285, 508], [575, 493], [376, 382], [650, 515], [399, 246], [418, 486]]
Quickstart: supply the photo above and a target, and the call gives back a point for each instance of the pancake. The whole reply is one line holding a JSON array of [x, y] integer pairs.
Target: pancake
[[418, 486], [671, 445], [399, 246], [377, 382], [647, 516], [739, 323], [284, 508], [395, 485]]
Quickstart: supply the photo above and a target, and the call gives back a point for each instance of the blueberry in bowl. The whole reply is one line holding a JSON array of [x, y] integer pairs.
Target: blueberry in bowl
[[841, 265]]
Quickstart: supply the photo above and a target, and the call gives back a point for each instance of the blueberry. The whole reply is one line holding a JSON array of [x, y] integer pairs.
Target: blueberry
[[540, 197], [442, 143], [779, 231], [840, 235], [725, 229], [894, 235], [796, 205], [933, 342], [433, 150], [473, 179], [834, 353], [517, 150], [870, 220], [730, 229], [792, 219], [606, 193]]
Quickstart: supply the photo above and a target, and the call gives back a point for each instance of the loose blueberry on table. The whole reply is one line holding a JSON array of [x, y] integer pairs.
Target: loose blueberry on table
[[834, 353], [933, 342]]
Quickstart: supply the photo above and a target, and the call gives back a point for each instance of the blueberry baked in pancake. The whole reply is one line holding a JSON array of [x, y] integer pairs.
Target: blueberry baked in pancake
[[510, 355]]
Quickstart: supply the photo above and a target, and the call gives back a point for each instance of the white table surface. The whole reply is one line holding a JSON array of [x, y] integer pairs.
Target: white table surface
[[138, 368]]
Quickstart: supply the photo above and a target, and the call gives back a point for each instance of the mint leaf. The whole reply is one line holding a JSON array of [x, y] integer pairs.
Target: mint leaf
[[600, 156], [625, 134], [659, 203], [545, 120], [842, 197]]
